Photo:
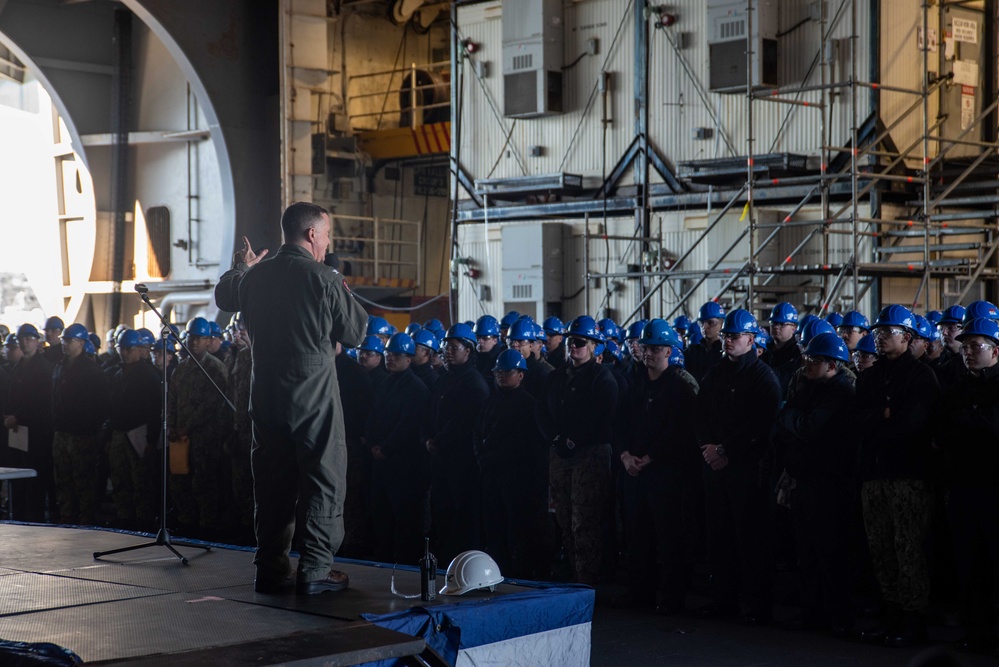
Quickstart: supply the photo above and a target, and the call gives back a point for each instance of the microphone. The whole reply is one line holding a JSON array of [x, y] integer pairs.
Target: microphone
[[141, 288], [332, 260]]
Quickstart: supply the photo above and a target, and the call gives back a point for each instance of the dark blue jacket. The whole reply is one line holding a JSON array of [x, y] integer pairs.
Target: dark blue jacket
[[737, 407], [394, 420], [894, 401]]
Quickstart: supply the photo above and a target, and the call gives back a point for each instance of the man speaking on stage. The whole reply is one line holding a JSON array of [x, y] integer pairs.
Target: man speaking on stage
[[296, 309]]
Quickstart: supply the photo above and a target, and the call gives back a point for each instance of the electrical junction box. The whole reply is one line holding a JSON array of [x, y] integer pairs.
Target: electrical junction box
[[533, 43], [532, 268], [730, 34]]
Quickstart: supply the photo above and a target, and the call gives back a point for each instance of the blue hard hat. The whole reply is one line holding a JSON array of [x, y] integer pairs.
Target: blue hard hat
[[54, 323], [462, 332], [740, 321], [27, 331], [148, 338], [10, 340], [981, 326], [377, 326], [553, 326], [659, 332], [412, 328], [609, 328], [599, 349], [96, 340], [805, 319], [979, 309], [866, 344], [829, 345], [539, 332], [510, 360], [486, 326], [933, 317], [198, 326], [165, 344], [614, 350], [89, 348], [470, 323], [212, 325], [856, 319], [682, 322], [676, 357], [433, 325], [351, 352], [695, 335], [129, 338], [635, 329], [373, 344], [711, 311], [762, 338], [784, 313], [509, 319], [953, 315], [834, 319], [923, 327], [584, 327], [427, 338], [77, 331], [813, 328], [522, 330], [401, 343], [680, 339], [896, 316]]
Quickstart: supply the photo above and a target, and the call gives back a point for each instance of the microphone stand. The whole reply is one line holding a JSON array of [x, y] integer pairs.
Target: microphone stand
[[163, 538]]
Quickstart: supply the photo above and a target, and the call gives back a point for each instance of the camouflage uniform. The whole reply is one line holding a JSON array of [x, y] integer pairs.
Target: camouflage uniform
[[238, 444], [74, 466], [81, 397], [136, 400], [195, 407], [578, 407], [30, 401]]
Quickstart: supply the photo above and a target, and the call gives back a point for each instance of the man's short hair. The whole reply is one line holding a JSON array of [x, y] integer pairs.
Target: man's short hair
[[299, 218]]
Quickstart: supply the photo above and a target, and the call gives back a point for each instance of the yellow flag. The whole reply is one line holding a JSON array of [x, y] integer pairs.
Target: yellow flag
[[745, 212]]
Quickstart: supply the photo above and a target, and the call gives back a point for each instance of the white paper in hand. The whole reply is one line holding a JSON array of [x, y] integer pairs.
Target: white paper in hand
[[137, 436], [18, 439]]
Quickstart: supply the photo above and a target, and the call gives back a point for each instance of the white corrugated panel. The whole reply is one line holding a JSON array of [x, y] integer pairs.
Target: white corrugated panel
[[902, 66], [680, 100], [483, 246], [572, 142]]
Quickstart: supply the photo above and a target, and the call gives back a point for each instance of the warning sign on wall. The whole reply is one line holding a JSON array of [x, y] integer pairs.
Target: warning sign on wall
[[967, 106], [965, 30]]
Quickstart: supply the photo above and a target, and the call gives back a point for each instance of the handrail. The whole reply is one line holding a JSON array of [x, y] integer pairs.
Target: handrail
[[390, 94], [378, 244]]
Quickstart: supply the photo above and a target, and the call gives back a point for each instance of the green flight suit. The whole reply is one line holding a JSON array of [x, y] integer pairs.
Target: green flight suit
[[295, 310]]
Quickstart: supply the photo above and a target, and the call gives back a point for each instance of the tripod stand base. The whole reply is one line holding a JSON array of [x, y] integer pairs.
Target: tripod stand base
[[162, 540]]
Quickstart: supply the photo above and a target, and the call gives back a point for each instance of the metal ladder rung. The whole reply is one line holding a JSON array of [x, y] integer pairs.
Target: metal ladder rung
[[965, 215], [959, 201], [949, 231], [942, 247]]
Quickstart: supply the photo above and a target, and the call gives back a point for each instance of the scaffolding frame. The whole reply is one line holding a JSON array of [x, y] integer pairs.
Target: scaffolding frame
[[944, 197], [854, 275]]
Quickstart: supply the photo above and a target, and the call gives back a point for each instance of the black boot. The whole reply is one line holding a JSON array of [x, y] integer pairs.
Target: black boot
[[889, 626], [911, 631]]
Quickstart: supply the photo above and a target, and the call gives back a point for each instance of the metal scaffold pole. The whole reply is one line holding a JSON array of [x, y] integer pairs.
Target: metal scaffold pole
[[854, 140], [751, 265]]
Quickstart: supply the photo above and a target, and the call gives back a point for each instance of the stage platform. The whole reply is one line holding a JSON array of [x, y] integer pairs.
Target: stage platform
[[145, 608]]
